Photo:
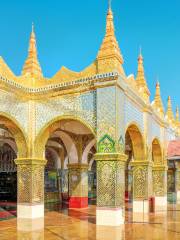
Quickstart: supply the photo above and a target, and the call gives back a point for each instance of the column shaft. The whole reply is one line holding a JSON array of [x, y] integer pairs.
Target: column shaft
[[78, 185], [160, 187], [110, 188], [30, 178]]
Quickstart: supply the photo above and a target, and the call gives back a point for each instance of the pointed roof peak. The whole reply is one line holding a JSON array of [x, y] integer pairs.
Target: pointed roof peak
[[158, 100], [157, 82], [177, 113], [140, 52], [109, 6], [109, 49], [169, 112], [140, 79], [32, 66]]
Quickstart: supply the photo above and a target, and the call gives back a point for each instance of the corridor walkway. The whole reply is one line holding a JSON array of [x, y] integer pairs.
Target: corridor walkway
[[64, 224]]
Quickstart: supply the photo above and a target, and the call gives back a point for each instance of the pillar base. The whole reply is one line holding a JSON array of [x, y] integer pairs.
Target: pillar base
[[160, 204], [27, 211], [109, 216], [78, 202], [140, 211]]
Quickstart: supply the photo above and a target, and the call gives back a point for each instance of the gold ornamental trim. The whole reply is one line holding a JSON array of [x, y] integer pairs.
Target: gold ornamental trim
[[110, 157], [160, 168], [140, 163], [30, 161]]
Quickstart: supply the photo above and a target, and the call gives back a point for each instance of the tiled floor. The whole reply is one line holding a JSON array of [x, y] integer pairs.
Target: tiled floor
[[64, 224]]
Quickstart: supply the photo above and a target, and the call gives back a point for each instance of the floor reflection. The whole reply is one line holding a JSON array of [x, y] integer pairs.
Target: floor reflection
[[61, 223]]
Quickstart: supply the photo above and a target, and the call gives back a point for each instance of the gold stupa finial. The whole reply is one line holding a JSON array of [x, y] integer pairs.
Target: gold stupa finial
[[169, 112], [32, 67], [109, 4], [140, 79], [158, 101], [109, 57]]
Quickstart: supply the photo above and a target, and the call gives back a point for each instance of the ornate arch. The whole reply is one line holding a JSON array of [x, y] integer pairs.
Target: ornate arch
[[137, 139], [17, 132], [157, 154], [51, 127]]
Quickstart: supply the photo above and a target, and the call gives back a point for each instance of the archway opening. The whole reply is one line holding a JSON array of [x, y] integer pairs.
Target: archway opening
[[69, 144], [134, 149], [12, 145], [156, 152]]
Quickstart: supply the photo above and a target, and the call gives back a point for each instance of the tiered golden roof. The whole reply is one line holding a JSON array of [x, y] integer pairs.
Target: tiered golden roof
[[141, 80], [158, 101], [32, 67], [109, 56]]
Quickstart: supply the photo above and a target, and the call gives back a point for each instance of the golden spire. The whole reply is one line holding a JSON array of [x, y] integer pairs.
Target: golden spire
[[169, 112], [109, 56], [140, 79], [157, 100], [177, 114], [32, 67]]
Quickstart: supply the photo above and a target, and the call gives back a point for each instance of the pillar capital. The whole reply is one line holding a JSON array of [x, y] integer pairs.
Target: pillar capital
[[160, 168], [110, 157], [81, 166], [146, 163], [30, 161], [177, 164]]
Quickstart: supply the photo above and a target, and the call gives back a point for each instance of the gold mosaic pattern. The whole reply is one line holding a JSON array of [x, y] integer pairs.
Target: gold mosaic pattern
[[30, 183], [159, 183], [110, 182], [140, 182]]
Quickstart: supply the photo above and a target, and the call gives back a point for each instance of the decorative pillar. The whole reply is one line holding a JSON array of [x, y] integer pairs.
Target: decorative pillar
[[160, 187], [78, 185], [142, 189], [110, 188], [30, 182], [177, 182]]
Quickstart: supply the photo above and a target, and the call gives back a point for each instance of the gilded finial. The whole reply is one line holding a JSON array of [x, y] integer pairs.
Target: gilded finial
[[169, 112], [32, 27], [140, 51], [177, 114], [157, 100], [140, 79], [109, 4]]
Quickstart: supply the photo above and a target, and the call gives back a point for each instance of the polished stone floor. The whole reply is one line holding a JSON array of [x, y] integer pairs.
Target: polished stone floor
[[63, 224]]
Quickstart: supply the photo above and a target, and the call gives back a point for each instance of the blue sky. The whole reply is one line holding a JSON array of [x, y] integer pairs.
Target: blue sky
[[70, 33]]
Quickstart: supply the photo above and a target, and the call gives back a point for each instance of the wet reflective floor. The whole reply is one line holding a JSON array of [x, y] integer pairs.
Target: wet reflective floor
[[62, 223]]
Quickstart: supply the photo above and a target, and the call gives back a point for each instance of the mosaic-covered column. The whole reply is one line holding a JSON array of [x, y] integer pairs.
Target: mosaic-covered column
[[110, 188], [78, 185], [142, 189], [177, 182], [160, 187], [30, 177]]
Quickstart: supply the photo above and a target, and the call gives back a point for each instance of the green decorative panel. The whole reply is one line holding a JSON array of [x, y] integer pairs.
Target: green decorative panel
[[106, 145]]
